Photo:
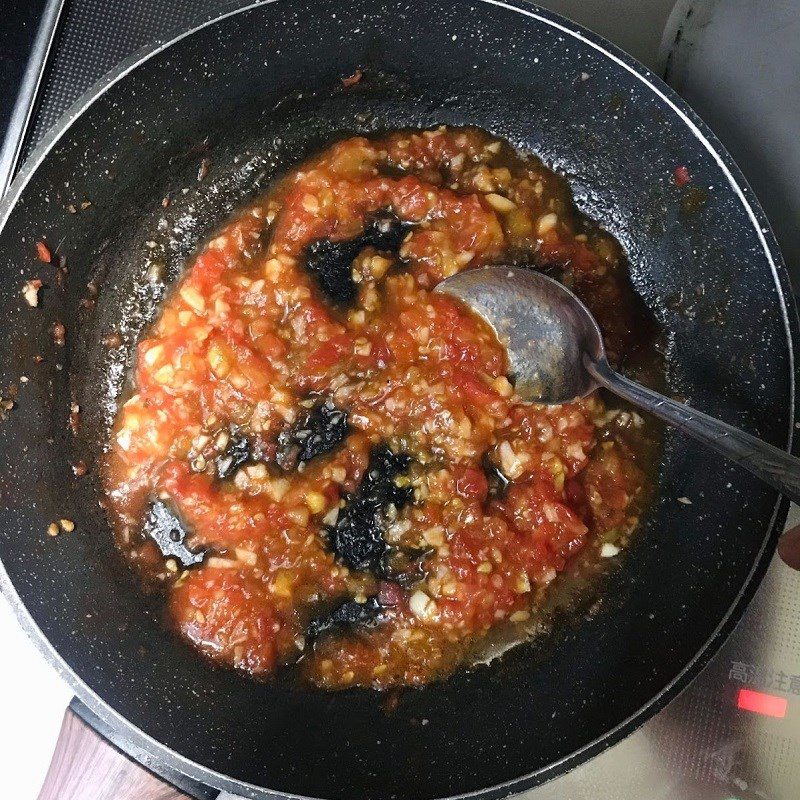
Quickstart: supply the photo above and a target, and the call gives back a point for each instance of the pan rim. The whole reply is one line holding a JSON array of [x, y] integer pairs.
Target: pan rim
[[741, 189]]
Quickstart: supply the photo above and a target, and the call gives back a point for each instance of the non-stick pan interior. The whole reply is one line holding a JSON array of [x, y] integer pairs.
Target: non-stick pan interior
[[252, 94]]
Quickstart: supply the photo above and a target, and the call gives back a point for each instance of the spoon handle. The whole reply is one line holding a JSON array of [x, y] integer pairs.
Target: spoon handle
[[771, 465]]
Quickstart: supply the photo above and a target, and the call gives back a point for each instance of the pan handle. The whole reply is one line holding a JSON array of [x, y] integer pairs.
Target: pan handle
[[86, 766]]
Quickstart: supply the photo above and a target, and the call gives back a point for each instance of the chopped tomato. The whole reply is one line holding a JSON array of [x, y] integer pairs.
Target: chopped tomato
[[471, 483], [329, 353], [226, 615], [681, 176], [478, 392], [266, 414]]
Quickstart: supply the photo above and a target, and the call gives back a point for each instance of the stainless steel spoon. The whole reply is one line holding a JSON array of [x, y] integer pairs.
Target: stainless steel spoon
[[557, 355]]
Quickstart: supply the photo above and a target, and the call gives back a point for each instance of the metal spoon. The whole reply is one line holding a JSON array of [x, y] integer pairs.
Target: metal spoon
[[557, 354]]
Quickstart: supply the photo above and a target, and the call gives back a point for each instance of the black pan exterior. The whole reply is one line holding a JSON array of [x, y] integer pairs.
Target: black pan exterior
[[262, 86]]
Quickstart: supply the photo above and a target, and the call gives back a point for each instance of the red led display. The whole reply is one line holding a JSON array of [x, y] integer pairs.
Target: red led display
[[767, 704]]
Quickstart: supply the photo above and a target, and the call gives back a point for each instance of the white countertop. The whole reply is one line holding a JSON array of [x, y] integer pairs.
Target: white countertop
[[32, 702]]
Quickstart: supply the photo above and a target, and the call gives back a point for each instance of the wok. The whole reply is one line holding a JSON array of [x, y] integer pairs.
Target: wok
[[251, 93]]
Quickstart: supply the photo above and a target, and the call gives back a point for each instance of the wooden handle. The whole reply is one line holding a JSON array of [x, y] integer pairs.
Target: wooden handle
[[85, 766]]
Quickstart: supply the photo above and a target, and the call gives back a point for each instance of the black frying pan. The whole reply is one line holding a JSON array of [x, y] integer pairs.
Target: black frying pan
[[254, 92]]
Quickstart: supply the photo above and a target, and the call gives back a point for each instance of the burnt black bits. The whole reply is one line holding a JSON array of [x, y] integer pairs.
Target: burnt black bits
[[385, 231], [350, 614], [357, 538], [236, 453], [330, 262], [316, 430], [498, 483], [165, 528]]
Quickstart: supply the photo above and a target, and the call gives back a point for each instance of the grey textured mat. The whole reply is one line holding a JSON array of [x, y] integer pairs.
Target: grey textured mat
[[95, 35]]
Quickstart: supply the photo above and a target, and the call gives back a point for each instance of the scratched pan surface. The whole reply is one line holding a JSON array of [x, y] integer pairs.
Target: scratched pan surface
[[262, 86]]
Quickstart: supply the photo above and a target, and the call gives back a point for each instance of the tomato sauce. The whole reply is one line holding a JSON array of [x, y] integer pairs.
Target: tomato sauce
[[344, 447]]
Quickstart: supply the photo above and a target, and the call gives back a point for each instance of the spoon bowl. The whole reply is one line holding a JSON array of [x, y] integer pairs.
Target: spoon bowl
[[545, 328], [556, 353]]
